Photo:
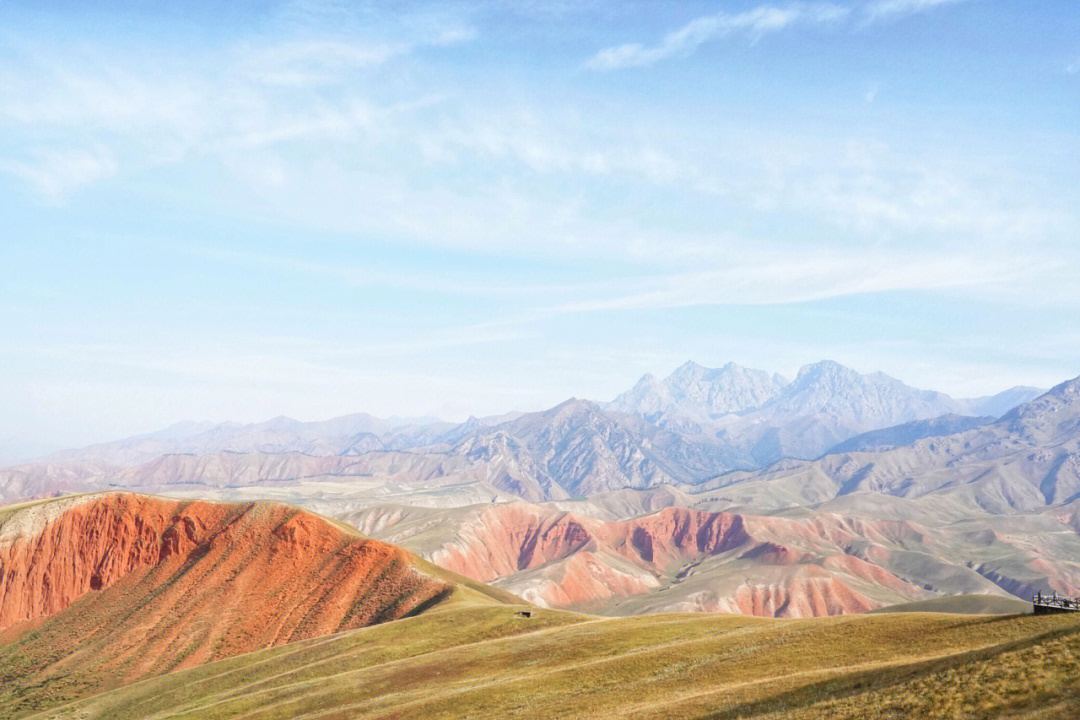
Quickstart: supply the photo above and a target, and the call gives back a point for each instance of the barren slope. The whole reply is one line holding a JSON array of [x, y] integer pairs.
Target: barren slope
[[103, 589], [675, 559], [857, 553]]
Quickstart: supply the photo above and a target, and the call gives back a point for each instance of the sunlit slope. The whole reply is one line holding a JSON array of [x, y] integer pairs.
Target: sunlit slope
[[99, 591], [488, 662]]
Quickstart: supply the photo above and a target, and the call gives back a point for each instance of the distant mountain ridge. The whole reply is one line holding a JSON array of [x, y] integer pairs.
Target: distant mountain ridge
[[761, 418], [337, 436], [709, 391], [693, 426], [825, 404], [1025, 461]]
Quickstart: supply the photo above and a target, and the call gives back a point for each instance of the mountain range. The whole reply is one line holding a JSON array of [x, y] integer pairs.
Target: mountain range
[[692, 426], [760, 418], [619, 507]]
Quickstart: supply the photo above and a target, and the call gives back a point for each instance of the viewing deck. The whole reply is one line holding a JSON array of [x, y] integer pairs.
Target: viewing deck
[[1046, 604]]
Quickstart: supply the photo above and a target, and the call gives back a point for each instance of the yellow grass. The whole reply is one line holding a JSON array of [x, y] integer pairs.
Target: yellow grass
[[469, 660]]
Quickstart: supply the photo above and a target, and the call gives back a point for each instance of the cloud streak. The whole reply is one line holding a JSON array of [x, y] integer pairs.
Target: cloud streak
[[889, 9], [754, 24], [89, 111], [56, 172]]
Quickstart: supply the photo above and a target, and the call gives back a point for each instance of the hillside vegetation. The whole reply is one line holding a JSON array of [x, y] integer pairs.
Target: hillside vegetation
[[467, 661]]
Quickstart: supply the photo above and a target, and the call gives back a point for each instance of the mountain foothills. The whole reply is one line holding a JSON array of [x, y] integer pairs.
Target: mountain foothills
[[726, 489], [118, 605], [104, 589], [836, 559]]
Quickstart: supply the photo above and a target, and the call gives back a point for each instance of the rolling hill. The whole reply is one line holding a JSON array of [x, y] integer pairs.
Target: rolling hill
[[963, 605], [103, 590], [491, 662]]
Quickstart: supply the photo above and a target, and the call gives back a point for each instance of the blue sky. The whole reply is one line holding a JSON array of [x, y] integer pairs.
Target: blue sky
[[316, 208]]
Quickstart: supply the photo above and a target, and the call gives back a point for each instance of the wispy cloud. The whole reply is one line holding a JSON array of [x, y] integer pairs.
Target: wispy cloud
[[121, 108], [754, 23], [889, 9], [805, 278], [56, 172]]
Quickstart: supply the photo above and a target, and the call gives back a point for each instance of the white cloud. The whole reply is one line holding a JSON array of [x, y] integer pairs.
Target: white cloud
[[762, 279], [115, 109], [889, 9], [754, 23], [56, 172]]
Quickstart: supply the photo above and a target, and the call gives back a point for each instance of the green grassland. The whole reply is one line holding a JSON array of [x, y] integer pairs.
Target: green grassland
[[472, 659]]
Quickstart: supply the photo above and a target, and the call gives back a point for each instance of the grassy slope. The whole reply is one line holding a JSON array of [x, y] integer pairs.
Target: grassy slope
[[965, 604], [470, 660]]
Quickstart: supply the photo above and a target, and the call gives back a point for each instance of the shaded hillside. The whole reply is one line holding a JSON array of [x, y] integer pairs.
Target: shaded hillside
[[897, 435], [492, 663], [105, 589], [1025, 461], [572, 449]]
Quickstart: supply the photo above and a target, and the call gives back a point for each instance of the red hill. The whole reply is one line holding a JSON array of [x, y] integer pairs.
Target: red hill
[[123, 586]]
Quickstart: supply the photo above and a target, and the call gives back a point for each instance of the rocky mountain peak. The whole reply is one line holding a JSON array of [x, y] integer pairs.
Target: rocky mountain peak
[[828, 371], [696, 390]]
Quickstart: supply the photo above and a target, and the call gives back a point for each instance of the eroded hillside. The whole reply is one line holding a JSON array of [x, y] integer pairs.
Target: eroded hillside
[[109, 588]]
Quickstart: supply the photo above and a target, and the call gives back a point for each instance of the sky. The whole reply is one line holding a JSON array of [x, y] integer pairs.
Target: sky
[[237, 211]]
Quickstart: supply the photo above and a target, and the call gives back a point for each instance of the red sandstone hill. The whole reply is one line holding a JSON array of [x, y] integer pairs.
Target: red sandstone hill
[[672, 560], [826, 561], [103, 589]]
